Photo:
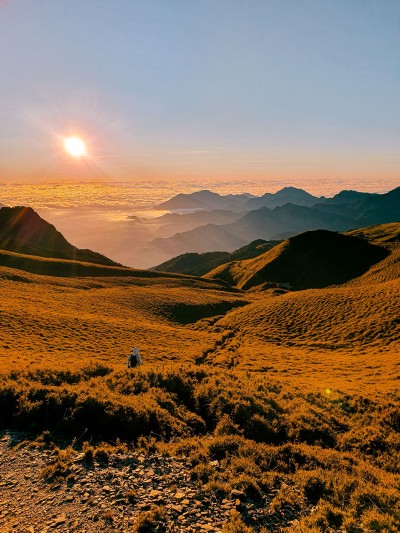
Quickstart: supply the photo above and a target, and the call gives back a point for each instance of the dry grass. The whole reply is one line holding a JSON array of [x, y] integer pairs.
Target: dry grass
[[70, 322], [295, 395], [340, 337], [240, 431]]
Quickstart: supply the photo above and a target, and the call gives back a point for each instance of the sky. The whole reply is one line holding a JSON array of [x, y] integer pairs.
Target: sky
[[200, 89]]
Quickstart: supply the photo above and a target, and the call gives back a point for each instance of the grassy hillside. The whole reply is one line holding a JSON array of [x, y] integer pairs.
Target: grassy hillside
[[313, 259], [70, 321], [287, 401]]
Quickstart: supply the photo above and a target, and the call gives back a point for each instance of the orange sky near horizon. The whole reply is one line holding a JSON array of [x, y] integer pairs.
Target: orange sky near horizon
[[200, 165]]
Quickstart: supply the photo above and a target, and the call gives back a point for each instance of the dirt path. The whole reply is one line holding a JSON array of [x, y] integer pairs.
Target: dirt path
[[224, 350], [110, 497]]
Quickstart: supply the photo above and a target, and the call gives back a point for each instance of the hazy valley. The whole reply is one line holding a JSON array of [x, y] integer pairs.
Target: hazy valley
[[205, 221]]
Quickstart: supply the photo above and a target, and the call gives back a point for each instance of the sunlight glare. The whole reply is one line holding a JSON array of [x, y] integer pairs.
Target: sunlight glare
[[75, 147]]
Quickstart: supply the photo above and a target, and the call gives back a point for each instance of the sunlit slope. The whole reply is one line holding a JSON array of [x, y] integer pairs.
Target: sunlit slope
[[313, 259], [379, 233], [387, 235], [72, 321], [340, 317], [341, 337]]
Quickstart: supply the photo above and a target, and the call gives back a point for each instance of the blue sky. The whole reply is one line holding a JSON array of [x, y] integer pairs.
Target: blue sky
[[193, 88]]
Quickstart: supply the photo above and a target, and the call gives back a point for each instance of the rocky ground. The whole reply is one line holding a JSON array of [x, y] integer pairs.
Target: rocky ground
[[113, 497]]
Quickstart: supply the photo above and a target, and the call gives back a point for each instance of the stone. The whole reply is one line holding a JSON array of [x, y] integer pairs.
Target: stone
[[238, 493], [59, 520], [177, 508]]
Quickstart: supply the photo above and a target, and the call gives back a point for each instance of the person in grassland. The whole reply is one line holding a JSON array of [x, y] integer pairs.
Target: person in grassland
[[134, 359]]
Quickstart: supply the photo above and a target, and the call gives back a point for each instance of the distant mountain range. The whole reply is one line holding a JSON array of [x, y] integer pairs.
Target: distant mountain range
[[208, 200], [364, 208], [345, 211]]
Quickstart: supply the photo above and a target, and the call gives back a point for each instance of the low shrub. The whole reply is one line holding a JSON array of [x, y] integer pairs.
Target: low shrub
[[237, 430], [152, 521], [236, 525]]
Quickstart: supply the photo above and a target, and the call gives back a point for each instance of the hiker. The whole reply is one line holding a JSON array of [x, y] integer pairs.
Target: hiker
[[134, 359]]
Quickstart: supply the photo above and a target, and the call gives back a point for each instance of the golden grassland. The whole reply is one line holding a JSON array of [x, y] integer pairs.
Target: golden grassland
[[295, 394], [347, 337], [69, 322]]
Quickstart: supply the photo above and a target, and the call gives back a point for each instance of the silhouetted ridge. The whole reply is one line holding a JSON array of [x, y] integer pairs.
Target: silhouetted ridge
[[350, 196], [23, 231], [205, 200], [314, 259], [287, 195], [363, 208]]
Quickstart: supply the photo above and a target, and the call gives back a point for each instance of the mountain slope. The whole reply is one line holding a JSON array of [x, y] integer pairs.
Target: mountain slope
[[344, 318], [201, 239], [313, 259], [195, 264], [364, 208], [22, 230], [172, 223], [289, 218]]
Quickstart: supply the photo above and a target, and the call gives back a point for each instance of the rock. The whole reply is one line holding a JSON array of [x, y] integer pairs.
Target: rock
[[177, 508], [238, 493], [59, 520], [179, 495]]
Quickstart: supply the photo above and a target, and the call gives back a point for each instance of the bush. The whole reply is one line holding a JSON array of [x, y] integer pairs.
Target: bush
[[236, 525], [151, 521]]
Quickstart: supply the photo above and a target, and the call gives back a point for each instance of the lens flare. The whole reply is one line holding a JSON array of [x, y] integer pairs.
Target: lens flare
[[75, 147]]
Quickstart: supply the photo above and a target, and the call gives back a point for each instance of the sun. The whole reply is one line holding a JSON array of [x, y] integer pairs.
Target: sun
[[75, 147]]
